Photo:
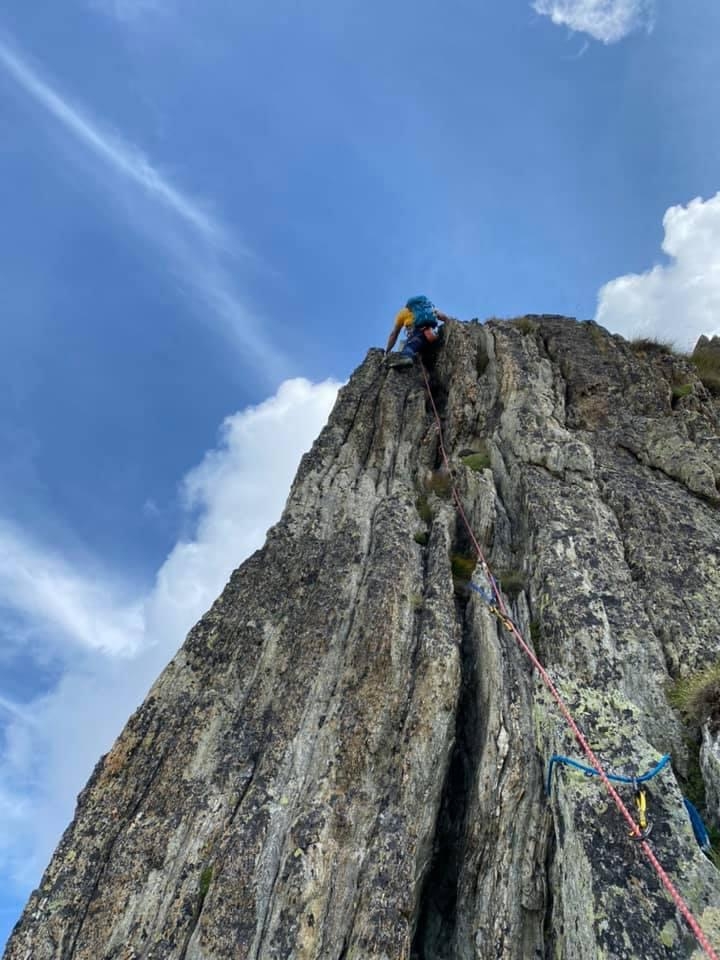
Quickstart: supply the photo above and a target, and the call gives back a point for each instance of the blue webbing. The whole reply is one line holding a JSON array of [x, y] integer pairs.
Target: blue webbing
[[590, 772]]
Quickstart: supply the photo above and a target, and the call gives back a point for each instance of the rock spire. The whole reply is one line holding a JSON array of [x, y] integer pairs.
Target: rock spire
[[346, 758]]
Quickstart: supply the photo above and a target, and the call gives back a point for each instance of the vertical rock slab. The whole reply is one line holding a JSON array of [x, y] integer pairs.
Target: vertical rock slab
[[347, 757]]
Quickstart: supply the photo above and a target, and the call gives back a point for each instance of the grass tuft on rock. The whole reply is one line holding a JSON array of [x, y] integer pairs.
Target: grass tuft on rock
[[707, 364], [440, 483], [421, 538], [480, 460], [462, 566], [525, 325], [423, 508], [512, 582], [650, 346], [205, 881], [681, 390], [697, 697]]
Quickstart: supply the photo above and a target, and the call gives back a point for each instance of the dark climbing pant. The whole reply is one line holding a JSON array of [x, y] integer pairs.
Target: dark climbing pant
[[414, 344]]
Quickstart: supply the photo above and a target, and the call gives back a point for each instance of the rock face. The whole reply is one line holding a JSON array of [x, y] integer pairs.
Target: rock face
[[346, 759]]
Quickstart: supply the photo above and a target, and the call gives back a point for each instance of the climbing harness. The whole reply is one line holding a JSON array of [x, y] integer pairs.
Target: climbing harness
[[636, 830]]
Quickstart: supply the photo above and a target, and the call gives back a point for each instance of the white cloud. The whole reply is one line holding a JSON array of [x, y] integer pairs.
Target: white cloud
[[198, 262], [240, 490], [43, 587], [605, 20], [677, 301], [15, 710], [236, 493]]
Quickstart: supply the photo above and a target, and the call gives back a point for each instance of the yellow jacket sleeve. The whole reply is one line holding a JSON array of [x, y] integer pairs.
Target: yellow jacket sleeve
[[404, 319]]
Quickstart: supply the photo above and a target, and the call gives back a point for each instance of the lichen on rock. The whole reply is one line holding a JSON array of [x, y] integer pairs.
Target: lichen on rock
[[347, 757]]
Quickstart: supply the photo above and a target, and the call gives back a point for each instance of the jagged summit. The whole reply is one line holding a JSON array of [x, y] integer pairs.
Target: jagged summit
[[346, 758]]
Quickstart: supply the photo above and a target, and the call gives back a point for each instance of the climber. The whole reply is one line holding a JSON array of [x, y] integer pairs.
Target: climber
[[419, 318]]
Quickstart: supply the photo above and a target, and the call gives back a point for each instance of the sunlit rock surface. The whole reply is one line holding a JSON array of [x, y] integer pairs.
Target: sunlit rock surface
[[347, 757]]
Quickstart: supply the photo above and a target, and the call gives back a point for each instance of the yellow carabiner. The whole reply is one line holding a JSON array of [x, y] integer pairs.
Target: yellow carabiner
[[641, 804]]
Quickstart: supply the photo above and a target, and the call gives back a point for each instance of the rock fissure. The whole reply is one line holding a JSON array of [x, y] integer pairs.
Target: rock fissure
[[437, 910], [202, 895], [550, 934], [245, 790], [359, 753]]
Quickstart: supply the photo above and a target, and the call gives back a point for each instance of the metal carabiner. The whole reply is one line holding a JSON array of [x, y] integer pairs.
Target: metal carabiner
[[641, 805]]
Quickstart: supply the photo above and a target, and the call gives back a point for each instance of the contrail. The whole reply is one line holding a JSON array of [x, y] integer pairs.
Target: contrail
[[15, 711], [200, 269], [123, 158]]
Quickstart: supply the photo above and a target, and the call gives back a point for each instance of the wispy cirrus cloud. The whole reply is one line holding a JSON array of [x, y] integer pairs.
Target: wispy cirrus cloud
[[200, 257], [41, 586], [677, 301], [124, 158], [605, 20], [14, 710]]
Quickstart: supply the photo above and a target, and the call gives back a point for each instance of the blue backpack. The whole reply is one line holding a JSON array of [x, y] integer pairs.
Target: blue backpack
[[423, 311]]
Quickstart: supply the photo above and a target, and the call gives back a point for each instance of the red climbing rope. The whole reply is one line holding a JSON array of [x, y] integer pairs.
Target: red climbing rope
[[508, 622]]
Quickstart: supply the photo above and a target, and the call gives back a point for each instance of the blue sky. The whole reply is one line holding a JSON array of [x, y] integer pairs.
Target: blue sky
[[210, 211]]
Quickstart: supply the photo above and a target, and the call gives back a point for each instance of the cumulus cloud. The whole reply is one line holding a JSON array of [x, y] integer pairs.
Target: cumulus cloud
[[679, 300], [239, 489], [234, 494], [605, 20]]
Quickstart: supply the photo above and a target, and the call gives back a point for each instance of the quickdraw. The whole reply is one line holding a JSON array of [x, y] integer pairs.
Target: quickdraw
[[641, 805], [489, 599], [562, 706]]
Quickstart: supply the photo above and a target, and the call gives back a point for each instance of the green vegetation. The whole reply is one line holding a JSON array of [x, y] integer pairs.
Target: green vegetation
[[423, 508], [421, 538], [707, 363], [462, 566], [651, 346], [440, 483], [525, 324], [479, 459], [697, 697], [681, 390], [512, 582], [205, 881], [535, 632]]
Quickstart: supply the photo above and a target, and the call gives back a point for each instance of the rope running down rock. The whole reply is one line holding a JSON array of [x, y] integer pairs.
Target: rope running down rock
[[507, 621]]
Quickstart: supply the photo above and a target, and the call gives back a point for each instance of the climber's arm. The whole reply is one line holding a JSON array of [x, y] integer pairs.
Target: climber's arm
[[392, 339]]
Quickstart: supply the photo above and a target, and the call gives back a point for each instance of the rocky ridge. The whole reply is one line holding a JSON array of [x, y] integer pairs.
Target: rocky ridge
[[346, 758]]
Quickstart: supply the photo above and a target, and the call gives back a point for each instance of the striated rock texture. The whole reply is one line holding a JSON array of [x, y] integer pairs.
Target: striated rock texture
[[346, 759]]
